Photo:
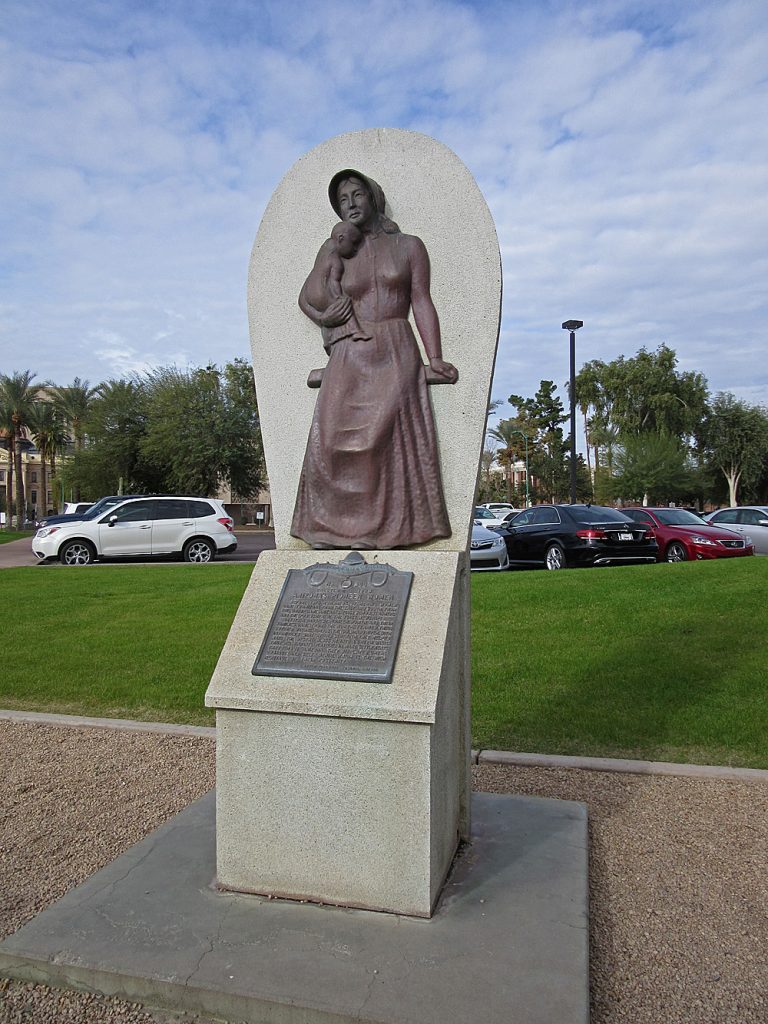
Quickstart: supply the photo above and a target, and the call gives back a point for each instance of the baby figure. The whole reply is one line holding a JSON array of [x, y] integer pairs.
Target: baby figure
[[324, 282]]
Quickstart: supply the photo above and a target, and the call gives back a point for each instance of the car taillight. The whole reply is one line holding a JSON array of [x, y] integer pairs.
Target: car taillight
[[229, 523], [592, 534], [649, 535]]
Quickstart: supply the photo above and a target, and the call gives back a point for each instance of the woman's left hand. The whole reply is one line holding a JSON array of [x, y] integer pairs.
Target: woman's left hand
[[447, 370]]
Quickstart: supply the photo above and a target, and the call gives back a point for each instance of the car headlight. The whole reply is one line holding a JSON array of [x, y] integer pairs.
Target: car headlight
[[47, 531], [702, 540], [498, 543], [748, 540]]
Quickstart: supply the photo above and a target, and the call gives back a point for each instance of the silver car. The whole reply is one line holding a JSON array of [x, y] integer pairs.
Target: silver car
[[487, 550], [749, 520]]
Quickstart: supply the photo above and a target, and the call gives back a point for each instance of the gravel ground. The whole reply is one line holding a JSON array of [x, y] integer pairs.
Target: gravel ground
[[678, 868]]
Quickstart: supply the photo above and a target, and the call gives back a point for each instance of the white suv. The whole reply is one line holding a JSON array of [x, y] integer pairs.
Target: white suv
[[196, 528]]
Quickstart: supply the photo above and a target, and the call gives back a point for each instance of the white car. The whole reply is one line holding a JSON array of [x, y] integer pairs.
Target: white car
[[487, 550], [196, 528], [749, 520], [499, 508], [492, 518]]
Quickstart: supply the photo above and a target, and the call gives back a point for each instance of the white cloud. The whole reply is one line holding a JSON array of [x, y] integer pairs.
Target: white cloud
[[620, 145]]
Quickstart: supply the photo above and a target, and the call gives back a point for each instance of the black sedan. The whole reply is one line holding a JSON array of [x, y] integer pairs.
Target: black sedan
[[559, 536]]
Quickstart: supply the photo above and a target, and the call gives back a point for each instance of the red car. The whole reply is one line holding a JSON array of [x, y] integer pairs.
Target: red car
[[683, 536]]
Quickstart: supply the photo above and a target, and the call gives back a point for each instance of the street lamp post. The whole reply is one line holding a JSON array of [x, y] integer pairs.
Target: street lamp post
[[573, 326]]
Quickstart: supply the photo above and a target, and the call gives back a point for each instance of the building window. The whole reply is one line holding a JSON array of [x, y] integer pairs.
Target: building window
[[33, 497], [33, 476]]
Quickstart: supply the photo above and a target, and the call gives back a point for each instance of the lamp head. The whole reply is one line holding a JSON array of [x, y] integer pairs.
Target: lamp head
[[573, 325]]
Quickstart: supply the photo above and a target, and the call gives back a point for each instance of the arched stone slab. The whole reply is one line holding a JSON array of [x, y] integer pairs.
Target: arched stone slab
[[430, 193]]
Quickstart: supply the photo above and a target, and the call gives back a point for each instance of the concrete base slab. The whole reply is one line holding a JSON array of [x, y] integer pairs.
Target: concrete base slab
[[508, 943]]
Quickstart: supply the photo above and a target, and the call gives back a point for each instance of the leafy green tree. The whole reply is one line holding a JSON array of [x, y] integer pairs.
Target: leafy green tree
[[109, 462], [653, 468], [541, 418], [736, 441], [202, 430], [17, 399]]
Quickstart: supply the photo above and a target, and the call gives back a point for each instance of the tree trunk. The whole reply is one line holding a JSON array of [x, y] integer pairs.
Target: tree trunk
[[43, 486], [9, 505], [55, 503], [20, 497], [732, 475], [586, 445]]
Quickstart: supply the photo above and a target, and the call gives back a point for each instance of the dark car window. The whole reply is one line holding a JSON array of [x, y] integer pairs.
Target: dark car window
[[136, 512], [525, 518], [752, 516], [678, 517], [637, 515], [104, 503], [595, 514], [545, 516], [199, 509], [171, 508], [730, 515]]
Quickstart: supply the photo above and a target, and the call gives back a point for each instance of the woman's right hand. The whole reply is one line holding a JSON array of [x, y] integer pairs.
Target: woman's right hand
[[339, 311]]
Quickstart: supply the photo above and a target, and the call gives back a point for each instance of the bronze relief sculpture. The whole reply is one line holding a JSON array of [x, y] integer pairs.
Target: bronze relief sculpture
[[371, 475]]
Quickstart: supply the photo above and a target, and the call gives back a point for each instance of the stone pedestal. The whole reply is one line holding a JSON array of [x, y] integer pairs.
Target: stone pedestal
[[339, 792], [357, 793]]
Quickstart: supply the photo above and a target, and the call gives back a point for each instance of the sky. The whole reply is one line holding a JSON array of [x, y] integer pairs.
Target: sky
[[621, 147]]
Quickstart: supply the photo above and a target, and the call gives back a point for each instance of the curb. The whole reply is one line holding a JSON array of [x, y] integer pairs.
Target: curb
[[620, 765], [124, 724], [478, 757]]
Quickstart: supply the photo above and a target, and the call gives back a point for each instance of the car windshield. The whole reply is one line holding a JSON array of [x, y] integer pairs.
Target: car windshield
[[100, 507], [595, 514], [678, 517], [483, 513]]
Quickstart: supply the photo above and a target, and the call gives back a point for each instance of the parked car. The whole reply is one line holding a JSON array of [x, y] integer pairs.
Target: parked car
[[485, 517], [748, 520], [89, 511], [683, 535], [195, 528], [563, 536], [499, 508], [487, 550]]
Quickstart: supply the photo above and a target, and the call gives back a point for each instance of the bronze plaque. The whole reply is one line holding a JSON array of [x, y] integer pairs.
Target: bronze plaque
[[337, 621]]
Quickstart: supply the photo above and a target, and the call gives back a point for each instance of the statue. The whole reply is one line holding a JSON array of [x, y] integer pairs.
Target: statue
[[371, 475]]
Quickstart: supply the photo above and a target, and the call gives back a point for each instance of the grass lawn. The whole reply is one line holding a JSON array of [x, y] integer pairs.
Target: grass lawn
[[663, 662], [119, 641], [658, 662], [6, 536]]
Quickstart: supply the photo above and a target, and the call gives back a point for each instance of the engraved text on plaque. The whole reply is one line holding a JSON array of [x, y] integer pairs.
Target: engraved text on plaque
[[338, 621]]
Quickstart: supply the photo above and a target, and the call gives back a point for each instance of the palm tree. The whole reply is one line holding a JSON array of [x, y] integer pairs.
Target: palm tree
[[18, 398], [74, 403], [50, 437], [506, 433]]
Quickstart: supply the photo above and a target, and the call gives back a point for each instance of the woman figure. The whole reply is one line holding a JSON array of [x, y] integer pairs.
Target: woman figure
[[371, 475]]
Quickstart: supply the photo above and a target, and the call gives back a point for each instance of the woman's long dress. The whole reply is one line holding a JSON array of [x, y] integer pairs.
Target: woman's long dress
[[371, 474]]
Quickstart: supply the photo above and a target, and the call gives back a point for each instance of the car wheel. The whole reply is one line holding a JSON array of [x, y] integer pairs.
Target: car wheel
[[555, 557], [77, 552], [676, 552], [198, 550]]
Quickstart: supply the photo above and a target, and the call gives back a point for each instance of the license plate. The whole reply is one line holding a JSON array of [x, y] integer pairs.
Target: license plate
[[625, 536]]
